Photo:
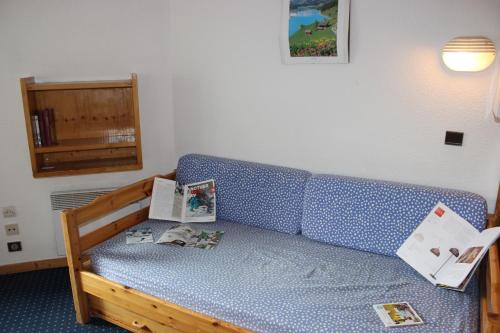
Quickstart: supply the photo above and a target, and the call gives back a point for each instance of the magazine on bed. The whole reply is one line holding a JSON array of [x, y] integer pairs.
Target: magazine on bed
[[446, 249], [183, 203], [187, 236], [139, 236], [397, 314]]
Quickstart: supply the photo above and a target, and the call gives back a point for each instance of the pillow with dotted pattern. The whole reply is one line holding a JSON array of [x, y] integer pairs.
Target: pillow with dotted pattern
[[260, 195], [377, 216]]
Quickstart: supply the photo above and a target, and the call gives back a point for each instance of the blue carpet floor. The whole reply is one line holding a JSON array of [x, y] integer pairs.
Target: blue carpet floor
[[41, 301]]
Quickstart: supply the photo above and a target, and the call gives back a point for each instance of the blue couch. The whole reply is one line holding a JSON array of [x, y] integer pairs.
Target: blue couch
[[301, 252]]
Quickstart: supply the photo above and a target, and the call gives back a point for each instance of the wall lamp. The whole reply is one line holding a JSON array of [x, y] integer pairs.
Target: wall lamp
[[474, 54], [469, 54]]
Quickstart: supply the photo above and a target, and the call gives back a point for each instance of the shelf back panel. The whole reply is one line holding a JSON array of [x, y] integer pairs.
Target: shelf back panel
[[89, 113]]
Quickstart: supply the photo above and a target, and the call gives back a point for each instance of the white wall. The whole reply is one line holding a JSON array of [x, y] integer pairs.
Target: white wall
[[382, 116], [77, 40]]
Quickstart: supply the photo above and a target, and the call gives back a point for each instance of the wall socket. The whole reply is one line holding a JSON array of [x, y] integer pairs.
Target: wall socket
[[14, 246], [9, 211], [11, 229]]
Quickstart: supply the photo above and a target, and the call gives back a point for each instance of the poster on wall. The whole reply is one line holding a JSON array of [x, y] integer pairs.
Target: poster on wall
[[315, 31]]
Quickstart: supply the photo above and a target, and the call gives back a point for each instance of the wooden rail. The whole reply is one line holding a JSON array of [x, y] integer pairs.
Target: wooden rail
[[115, 200], [145, 306], [95, 237], [493, 266], [490, 294], [73, 219]]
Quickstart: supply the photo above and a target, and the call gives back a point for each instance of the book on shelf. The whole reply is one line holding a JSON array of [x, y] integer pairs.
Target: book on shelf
[[446, 249], [52, 127], [35, 126], [46, 139], [44, 129], [183, 203]]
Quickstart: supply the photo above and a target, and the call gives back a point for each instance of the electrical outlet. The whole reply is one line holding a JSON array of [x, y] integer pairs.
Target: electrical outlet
[[9, 211], [14, 246], [11, 229]]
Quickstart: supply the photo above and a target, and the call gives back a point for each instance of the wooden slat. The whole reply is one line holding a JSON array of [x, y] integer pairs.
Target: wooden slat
[[79, 85], [27, 118], [485, 323], [137, 118], [79, 171], [162, 312], [489, 323], [115, 200], [497, 209], [490, 289], [126, 319], [90, 146], [89, 158], [494, 276], [33, 266], [71, 241], [109, 230], [494, 285]]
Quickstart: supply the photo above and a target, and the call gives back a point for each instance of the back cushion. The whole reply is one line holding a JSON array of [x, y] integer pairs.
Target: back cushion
[[377, 216], [260, 195]]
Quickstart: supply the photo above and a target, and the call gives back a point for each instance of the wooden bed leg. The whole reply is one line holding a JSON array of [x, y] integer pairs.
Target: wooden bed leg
[[72, 241]]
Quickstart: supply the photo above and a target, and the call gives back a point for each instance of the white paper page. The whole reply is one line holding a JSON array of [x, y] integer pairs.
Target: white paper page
[[178, 203], [199, 202], [139, 236], [183, 203], [440, 237], [464, 283], [162, 201], [181, 233], [455, 272]]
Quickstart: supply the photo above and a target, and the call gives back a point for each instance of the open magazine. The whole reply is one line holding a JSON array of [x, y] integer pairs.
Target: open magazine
[[183, 203], [446, 249], [184, 235]]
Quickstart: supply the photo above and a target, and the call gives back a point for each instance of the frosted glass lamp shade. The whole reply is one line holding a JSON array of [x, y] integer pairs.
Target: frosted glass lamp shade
[[468, 54]]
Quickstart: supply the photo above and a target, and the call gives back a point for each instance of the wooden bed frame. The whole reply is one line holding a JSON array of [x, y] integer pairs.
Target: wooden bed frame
[[133, 310]]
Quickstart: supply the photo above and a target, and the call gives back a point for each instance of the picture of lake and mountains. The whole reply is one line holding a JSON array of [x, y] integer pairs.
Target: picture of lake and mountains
[[312, 28]]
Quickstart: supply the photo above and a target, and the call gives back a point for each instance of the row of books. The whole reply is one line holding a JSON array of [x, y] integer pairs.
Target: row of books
[[44, 129]]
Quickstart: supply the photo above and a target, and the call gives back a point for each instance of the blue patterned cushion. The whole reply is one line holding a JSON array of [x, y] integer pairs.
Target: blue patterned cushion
[[260, 195], [377, 216]]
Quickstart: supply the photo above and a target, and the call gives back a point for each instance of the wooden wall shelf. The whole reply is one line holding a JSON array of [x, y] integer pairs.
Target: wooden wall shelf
[[95, 126], [78, 85]]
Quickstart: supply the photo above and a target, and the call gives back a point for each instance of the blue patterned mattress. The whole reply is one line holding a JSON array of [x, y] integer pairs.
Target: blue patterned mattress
[[269, 281]]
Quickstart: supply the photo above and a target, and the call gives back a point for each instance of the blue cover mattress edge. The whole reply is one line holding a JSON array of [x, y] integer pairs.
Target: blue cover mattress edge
[[269, 281]]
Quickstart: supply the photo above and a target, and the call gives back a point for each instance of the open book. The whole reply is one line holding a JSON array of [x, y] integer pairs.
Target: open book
[[183, 203], [446, 249]]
